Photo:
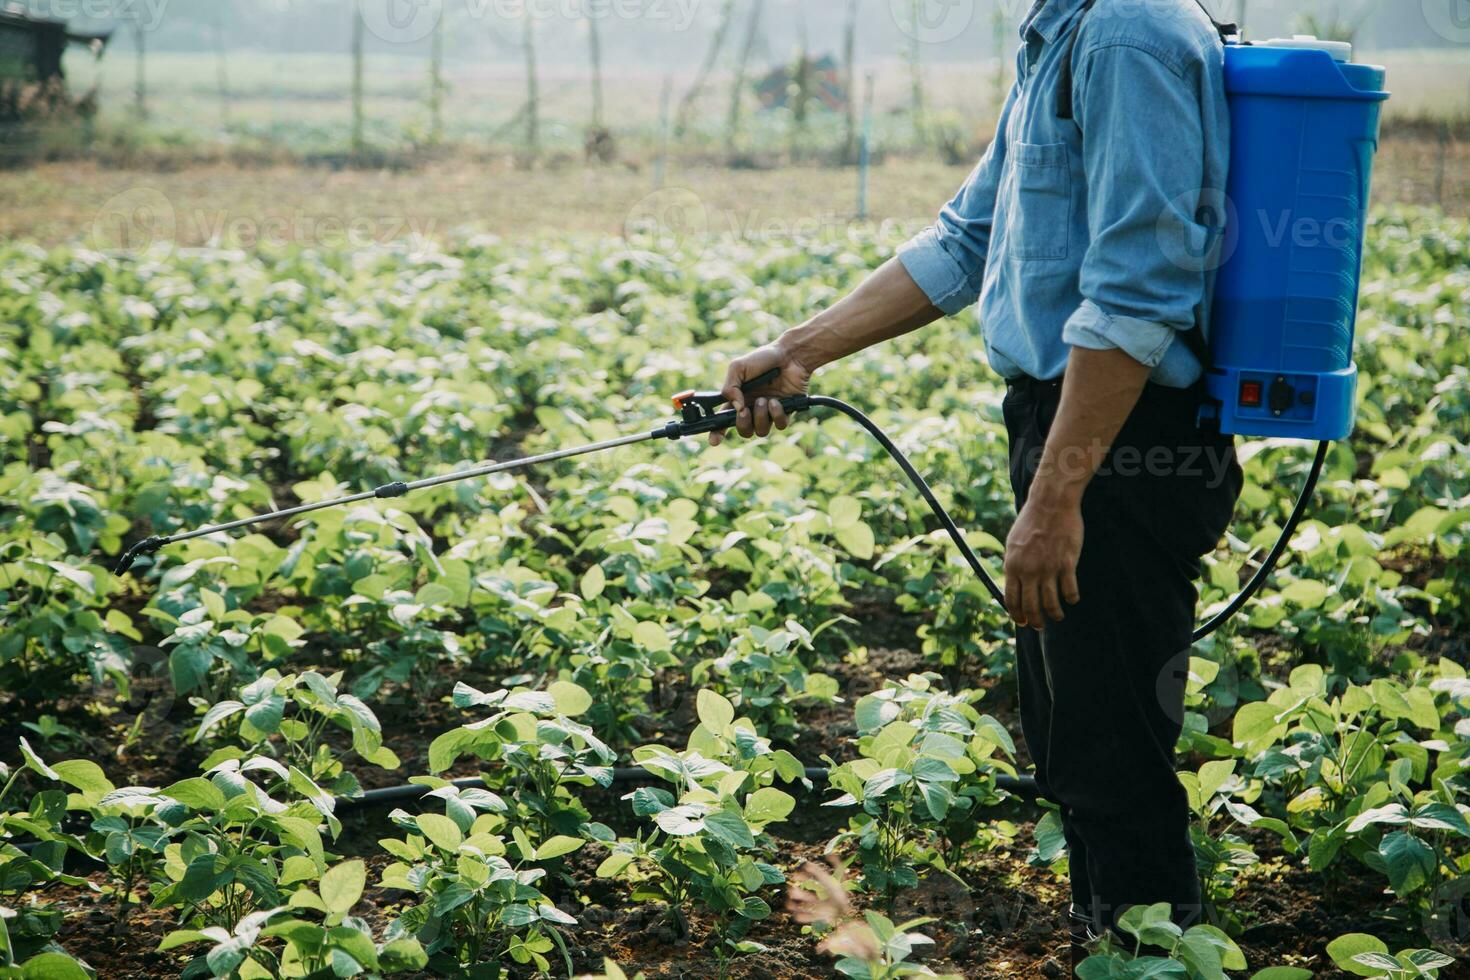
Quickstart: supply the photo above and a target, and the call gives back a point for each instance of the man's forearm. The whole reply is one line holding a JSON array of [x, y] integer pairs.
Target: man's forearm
[[1100, 391], [887, 304]]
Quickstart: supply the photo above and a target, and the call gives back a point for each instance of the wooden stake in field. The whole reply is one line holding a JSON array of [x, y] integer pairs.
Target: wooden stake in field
[[849, 81], [865, 150], [660, 163], [533, 93], [716, 44], [737, 88], [358, 137], [594, 55], [799, 92], [1000, 28], [436, 84], [140, 78], [916, 73], [221, 68]]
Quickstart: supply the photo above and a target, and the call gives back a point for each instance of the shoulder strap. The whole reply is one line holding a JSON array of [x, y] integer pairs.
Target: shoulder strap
[[1064, 84], [1194, 338]]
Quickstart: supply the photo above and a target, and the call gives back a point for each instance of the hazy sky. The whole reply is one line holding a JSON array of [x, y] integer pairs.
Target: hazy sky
[[665, 34]]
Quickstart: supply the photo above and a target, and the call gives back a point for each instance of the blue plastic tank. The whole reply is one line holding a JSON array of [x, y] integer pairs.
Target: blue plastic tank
[[1304, 131]]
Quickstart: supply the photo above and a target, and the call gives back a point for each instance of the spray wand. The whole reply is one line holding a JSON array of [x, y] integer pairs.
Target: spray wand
[[700, 413]]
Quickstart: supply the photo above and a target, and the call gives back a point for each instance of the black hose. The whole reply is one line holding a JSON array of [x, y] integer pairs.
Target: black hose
[[920, 484], [1220, 619], [1287, 533], [1022, 786]]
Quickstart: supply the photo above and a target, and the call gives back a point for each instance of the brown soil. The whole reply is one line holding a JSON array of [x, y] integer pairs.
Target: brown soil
[[1005, 920]]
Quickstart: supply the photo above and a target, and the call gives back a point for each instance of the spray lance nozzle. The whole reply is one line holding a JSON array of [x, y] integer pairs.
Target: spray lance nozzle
[[147, 546], [699, 413]]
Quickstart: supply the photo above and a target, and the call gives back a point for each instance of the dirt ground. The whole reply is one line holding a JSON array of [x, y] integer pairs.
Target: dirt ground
[[231, 205], [1003, 918]]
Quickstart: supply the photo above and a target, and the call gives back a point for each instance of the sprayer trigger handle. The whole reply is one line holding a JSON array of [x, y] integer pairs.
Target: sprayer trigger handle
[[760, 381], [710, 400]]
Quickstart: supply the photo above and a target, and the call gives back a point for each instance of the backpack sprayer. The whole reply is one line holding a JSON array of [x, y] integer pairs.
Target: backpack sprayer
[[1304, 123]]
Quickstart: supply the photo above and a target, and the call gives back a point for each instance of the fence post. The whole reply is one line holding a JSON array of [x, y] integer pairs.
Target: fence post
[[865, 148], [140, 78], [660, 162], [358, 137], [436, 84]]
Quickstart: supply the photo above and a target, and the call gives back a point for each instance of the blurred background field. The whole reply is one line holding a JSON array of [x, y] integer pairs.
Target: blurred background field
[[290, 118]]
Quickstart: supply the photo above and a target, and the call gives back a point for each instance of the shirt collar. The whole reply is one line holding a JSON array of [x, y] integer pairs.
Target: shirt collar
[[1048, 17]]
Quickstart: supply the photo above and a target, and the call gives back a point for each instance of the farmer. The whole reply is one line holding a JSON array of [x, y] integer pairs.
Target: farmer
[[1075, 233]]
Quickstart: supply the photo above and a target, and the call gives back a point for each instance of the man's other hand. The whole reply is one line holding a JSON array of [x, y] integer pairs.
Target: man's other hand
[[1042, 552]]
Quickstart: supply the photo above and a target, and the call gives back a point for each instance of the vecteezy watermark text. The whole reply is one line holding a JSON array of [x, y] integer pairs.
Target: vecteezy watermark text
[[409, 21], [145, 14], [682, 225], [144, 221]]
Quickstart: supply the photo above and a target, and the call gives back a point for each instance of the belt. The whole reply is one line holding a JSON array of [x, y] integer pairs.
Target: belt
[[1025, 383]]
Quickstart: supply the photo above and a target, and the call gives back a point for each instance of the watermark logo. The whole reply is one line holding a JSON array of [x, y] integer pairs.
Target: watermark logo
[[410, 21], [671, 220], [401, 21], [143, 14], [1450, 19], [1198, 230], [139, 221], [932, 21]]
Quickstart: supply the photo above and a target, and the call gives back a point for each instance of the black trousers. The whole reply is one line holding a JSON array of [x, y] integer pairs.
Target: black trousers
[[1102, 693]]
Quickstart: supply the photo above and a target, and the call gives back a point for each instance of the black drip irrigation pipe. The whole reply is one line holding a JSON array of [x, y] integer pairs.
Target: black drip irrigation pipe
[[1022, 786]]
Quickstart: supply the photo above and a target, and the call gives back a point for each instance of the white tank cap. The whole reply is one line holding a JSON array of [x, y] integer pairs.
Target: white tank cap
[[1340, 50]]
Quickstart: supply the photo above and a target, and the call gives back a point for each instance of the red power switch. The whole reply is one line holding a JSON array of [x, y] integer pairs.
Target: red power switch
[[1251, 393]]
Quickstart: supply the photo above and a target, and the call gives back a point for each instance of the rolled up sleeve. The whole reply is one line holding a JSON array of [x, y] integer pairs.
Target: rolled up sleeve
[[1146, 341], [947, 259], [1139, 110]]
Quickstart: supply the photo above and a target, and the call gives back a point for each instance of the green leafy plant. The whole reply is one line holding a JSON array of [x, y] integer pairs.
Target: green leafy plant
[[1367, 956], [478, 901], [27, 932], [288, 716], [926, 771], [339, 945], [870, 948], [710, 848], [763, 672], [533, 753], [1201, 952]]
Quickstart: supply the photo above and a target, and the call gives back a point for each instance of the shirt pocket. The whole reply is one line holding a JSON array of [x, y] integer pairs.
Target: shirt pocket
[[1041, 221]]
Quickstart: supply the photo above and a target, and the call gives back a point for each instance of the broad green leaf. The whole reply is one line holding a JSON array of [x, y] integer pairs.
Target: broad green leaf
[[571, 699], [52, 966], [342, 886], [858, 540], [440, 830], [651, 636], [1408, 860], [1344, 949], [555, 847], [217, 714], [844, 512], [768, 805], [715, 711], [35, 763], [730, 828], [593, 582]]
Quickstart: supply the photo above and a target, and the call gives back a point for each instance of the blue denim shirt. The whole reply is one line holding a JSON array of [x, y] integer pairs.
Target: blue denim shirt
[[1093, 232]]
